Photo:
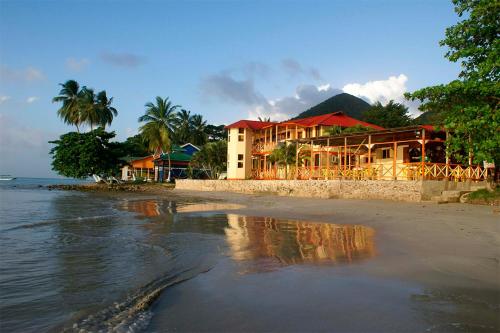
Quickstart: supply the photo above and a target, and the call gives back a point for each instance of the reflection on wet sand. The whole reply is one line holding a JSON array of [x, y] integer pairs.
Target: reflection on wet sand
[[295, 242], [146, 208], [152, 208], [207, 207], [267, 241]]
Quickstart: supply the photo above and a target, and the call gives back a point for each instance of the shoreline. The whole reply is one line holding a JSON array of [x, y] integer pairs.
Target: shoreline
[[158, 188], [95, 187]]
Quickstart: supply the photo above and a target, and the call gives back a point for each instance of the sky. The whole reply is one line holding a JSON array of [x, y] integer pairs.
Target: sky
[[225, 60]]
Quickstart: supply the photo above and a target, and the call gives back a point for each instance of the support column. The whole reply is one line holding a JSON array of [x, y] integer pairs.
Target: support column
[[369, 157], [345, 155], [423, 154], [312, 160], [328, 157], [447, 155], [265, 166], [297, 161], [394, 171], [470, 160]]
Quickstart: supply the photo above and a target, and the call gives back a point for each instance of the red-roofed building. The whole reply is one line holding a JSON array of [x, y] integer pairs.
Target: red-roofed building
[[325, 152], [251, 141]]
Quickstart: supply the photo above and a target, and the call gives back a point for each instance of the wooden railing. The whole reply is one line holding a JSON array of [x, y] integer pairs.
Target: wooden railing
[[399, 171]]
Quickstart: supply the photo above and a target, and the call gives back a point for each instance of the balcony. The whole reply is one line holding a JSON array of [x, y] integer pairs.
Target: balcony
[[261, 147]]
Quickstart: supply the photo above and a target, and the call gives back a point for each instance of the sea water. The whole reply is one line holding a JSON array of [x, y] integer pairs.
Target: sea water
[[96, 262]]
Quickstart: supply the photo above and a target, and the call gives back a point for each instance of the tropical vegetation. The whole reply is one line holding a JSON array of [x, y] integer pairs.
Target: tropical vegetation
[[211, 159], [284, 155], [82, 106], [80, 155], [469, 104], [390, 115]]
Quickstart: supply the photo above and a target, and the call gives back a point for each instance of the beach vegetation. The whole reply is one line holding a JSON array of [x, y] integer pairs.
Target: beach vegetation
[[80, 155], [190, 128], [391, 115], [215, 132], [211, 159], [468, 105], [284, 155], [82, 106]]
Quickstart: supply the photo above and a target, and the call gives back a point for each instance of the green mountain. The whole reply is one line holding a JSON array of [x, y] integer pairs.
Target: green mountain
[[349, 104], [429, 118]]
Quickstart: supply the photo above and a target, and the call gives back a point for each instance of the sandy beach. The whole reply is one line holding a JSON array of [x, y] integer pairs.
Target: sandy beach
[[440, 261]]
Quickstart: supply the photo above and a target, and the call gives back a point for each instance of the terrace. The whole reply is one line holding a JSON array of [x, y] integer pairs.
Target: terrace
[[412, 153]]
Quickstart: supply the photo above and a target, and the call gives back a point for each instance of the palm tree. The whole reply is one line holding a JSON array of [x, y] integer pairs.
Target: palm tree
[[86, 103], [83, 106], [182, 133], [159, 122], [284, 155], [265, 119], [70, 110], [104, 109], [198, 130]]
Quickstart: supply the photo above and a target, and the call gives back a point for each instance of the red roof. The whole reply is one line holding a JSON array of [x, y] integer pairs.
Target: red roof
[[252, 124], [331, 119]]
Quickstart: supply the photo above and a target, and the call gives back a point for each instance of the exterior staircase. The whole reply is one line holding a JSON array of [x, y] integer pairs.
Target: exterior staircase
[[450, 196]]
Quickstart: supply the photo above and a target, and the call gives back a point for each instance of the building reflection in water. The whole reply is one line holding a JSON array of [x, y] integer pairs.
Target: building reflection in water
[[153, 208], [145, 208], [294, 242], [264, 240]]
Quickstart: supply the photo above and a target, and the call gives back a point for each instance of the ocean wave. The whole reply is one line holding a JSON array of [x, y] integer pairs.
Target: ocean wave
[[134, 313]]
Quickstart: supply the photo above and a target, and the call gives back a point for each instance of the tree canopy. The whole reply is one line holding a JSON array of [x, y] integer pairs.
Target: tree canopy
[[469, 104], [80, 155], [212, 157], [159, 124], [82, 106], [389, 116]]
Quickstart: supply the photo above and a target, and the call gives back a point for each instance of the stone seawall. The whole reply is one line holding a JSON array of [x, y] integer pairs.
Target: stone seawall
[[345, 189]]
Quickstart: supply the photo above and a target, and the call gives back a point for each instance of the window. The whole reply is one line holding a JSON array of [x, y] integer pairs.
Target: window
[[288, 135], [308, 132], [316, 160], [241, 131], [241, 134], [386, 153], [240, 161], [240, 165], [240, 157]]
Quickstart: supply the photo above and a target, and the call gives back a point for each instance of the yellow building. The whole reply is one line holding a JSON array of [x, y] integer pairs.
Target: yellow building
[[409, 153]]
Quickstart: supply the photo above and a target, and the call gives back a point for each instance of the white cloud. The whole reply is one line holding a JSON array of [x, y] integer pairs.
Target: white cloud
[[383, 91], [28, 74], [4, 99], [31, 99], [380, 91], [76, 65]]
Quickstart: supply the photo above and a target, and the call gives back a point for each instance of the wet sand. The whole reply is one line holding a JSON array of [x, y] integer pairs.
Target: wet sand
[[435, 268]]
